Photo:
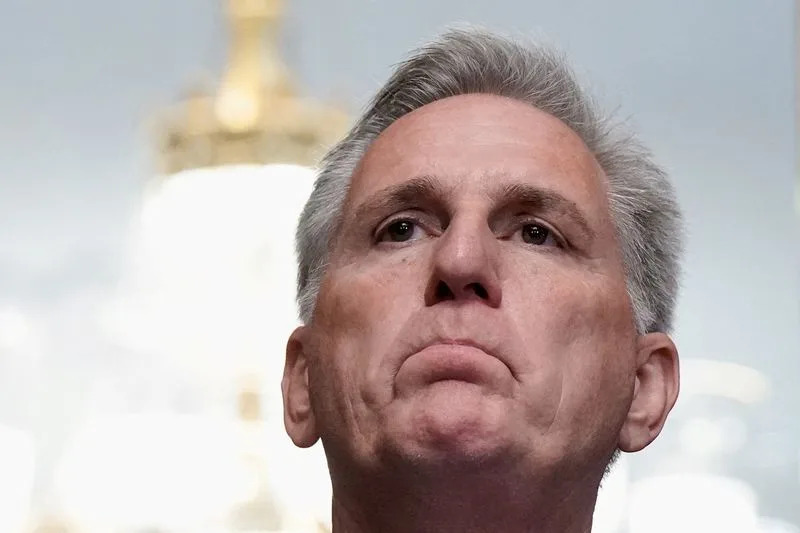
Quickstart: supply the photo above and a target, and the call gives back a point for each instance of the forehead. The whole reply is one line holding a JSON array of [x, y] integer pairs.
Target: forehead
[[464, 138]]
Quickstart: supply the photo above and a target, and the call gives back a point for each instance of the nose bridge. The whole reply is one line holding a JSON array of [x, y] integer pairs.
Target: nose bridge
[[463, 249]]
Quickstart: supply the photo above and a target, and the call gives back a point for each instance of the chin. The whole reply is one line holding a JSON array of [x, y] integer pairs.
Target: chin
[[452, 422]]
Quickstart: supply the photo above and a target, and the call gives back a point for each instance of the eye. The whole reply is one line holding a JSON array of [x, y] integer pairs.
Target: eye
[[400, 230], [538, 234]]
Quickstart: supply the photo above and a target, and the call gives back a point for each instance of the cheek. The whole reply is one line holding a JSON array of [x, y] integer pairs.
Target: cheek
[[359, 315], [578, 337], [567, 307]]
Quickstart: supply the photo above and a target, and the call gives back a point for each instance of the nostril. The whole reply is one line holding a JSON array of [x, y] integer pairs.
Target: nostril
[[443, 292], [479, 290]]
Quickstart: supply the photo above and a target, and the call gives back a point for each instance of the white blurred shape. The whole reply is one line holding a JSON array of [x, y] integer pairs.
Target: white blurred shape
[[17, 462], [707, 437], [735, 381], [152, 470], [212, 280], [17, 335], [773, 525], [301, 485], [692, 503], [210, 289], [611, 499]]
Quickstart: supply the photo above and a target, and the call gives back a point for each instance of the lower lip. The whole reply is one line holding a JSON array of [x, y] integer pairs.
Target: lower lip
[[442, 362]]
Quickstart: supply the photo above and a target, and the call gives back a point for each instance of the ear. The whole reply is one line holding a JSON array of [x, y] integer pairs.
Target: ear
[[298, 416], [655, 391]]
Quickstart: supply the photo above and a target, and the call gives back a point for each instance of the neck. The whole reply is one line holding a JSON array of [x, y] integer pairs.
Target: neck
[[457, 502]]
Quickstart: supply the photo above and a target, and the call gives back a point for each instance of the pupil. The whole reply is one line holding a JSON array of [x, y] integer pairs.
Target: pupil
[[400, 230], [534, 234]]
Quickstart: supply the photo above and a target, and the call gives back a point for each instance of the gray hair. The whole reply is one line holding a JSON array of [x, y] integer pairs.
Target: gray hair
[[641, 199]]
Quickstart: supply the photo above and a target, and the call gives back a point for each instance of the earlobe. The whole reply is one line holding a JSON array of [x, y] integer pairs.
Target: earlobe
[[298, 415], [655, 391]]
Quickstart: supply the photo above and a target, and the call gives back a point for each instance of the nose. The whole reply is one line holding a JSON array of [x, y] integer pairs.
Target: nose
[[465, 265]]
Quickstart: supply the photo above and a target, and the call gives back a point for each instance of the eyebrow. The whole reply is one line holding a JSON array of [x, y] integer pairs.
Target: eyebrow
[[419, 190], [545, 200], [427, 189]]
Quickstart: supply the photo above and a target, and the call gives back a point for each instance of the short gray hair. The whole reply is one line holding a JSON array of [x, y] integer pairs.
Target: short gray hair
[[641, 199]]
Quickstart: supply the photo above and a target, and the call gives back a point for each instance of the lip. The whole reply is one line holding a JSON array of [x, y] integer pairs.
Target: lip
[[450, 359], [453, 362], [466, 342], [459, 342]]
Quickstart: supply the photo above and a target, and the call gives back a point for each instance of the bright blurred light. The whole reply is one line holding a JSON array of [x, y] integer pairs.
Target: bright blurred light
[[210, 289], [153, 470], [710, 436], [300, 482], [224, 216], [692, 503], [773, 525], [186, 473], [708, 377], [16, 478], [17, 335], [611, 499], [211, 285]]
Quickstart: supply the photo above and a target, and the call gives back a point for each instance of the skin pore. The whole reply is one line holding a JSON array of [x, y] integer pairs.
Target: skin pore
[[472, 362]]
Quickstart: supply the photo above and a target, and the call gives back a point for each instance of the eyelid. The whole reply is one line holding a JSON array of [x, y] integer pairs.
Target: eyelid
[[524, 220], [397, 217]]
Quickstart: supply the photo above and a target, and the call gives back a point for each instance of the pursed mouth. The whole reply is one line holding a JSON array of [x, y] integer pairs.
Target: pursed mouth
[[451, 360]]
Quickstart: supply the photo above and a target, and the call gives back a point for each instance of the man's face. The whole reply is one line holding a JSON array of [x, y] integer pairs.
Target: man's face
[[474, 305]]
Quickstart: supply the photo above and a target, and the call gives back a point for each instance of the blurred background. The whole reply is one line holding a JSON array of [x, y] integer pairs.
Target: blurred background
[[153, 154]]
